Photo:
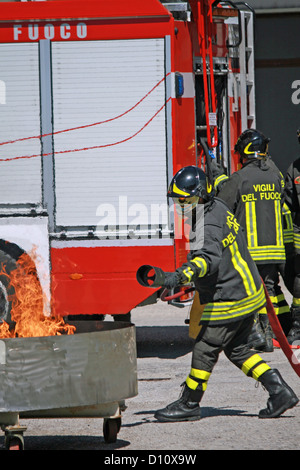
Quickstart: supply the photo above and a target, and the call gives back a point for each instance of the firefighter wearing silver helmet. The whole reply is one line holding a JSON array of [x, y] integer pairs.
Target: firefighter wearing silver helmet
[[255, 196], [229, 287]]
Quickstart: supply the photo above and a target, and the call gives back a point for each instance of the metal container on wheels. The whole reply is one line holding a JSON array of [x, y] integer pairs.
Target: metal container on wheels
[[88, 374]]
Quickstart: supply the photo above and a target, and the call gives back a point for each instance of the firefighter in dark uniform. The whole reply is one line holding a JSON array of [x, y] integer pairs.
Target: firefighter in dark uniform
[[255, 195], [292, 268], [229, 289]]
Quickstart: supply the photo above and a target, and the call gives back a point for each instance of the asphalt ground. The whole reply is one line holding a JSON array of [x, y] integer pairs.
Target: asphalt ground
[[230, 404]]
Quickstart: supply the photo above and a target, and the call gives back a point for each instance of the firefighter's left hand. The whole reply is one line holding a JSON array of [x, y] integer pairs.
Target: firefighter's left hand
[[171, 280]]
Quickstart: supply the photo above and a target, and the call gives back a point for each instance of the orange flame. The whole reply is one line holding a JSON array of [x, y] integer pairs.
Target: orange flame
[[27, 305]]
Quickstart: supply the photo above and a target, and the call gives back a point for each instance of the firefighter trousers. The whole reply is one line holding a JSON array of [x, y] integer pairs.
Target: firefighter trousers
[[291, 277], [270, 275], [231, 338]]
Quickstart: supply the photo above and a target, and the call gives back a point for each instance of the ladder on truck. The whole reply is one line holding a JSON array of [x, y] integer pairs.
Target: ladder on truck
[[246, 78]]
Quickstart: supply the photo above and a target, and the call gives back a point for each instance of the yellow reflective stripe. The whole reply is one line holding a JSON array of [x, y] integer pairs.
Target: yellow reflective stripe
[[277, 299], [281, 310], [200, 263], [278, 223], [273, 299], [179, 191], [242, 268], [237, 304], [260, 370], [287, 216], [267, 248], [251, 362], [219, 179], [296, 240], [288, 237], [200, 374], [263, 311], [280, 304], [256, 365], [216, 311], [267, 253], [251, 226], [193, 384], [247, 151], [296, 301], [188, 272]]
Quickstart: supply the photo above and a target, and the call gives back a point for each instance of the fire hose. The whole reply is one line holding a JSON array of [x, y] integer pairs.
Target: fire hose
[[274, 322], [281, 338], [165, 298], [150, 276]]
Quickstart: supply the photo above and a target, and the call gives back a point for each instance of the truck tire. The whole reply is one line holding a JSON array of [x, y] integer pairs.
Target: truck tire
[[7, 265]]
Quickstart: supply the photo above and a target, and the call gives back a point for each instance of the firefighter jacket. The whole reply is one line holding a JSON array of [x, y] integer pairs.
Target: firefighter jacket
[[254, 194], [221, 266], [292, 199]]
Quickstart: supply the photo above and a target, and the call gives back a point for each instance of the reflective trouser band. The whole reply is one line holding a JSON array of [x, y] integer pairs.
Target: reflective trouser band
[[263, 311], [296, 302], [279, 303], [281, 310], [255, 366], [277, 299], [197, 377]]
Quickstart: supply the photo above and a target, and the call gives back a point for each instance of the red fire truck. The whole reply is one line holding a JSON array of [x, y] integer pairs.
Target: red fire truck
[[100, 104]]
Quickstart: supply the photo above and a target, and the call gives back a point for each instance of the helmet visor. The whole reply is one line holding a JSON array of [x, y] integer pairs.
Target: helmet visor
[[185, 205]]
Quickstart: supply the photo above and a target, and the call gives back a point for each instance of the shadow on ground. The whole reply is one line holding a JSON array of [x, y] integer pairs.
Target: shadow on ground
[[166, 342]]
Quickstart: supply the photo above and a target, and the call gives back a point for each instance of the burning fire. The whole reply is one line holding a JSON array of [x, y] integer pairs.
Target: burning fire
[[27, 305]]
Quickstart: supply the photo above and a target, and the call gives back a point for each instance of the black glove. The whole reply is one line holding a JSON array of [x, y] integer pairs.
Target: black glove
[[171, 280]]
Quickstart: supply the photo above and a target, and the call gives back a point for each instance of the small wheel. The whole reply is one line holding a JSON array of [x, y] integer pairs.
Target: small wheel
[[14, 442], [111, 427]]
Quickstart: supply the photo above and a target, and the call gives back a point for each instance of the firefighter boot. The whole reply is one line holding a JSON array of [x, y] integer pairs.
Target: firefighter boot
[[268, 333], [186, 408], [294, 333], [281, 397], [256, 339]]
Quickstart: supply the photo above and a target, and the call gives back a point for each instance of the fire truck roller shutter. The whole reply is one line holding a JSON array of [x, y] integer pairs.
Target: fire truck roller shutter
[[20, 177], [121, 85]]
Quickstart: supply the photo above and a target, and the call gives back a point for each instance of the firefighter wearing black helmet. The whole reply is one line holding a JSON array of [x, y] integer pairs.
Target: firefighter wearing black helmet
[[254, 194], [230, 291], [292, 268]]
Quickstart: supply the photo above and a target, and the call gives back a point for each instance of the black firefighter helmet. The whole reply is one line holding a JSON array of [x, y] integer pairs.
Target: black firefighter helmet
[[188, 185], [252, 144]]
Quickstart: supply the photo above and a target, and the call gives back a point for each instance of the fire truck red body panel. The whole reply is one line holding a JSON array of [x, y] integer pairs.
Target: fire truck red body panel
[[88, 277], [101, 283]]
